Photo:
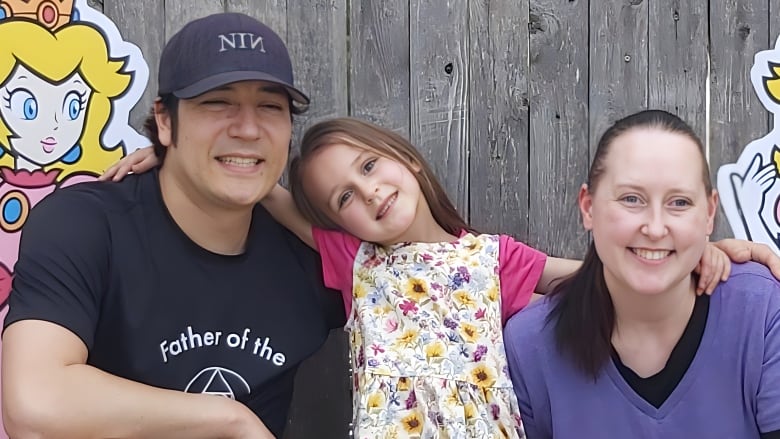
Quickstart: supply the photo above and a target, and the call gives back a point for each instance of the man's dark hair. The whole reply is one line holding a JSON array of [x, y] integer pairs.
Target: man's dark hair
[[170, 103]]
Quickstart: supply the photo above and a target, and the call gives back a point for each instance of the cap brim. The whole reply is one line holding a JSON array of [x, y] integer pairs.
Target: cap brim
[[225, 78]]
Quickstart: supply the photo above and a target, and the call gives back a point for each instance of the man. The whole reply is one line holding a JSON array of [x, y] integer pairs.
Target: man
[[137, 306]]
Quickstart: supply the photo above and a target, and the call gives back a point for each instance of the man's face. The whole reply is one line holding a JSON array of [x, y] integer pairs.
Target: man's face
[[231, 145]]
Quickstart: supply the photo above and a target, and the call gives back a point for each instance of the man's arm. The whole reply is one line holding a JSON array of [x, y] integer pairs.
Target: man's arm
[[49, 391]]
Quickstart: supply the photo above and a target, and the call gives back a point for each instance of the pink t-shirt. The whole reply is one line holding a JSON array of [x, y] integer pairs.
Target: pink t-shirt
[[520, 268]]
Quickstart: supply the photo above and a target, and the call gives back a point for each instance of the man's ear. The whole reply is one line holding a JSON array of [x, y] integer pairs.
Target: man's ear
[[164, 127], [585, 201]]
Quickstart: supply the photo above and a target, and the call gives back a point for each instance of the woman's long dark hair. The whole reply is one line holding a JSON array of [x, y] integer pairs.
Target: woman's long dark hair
[[583, 314]]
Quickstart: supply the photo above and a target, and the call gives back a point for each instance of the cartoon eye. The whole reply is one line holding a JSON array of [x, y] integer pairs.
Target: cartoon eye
[[24, 104], [14, 208], [72, 105]]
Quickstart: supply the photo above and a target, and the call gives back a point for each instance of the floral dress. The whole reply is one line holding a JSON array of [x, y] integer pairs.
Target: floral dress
[[426, 340]]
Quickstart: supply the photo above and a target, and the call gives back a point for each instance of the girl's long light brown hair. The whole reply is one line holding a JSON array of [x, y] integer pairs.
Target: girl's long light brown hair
[[384, 142]]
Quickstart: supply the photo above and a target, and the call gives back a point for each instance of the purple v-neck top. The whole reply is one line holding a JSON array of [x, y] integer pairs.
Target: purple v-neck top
[[730, 390]]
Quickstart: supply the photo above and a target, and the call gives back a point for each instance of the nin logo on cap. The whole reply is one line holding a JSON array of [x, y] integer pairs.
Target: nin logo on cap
[[241, 40]]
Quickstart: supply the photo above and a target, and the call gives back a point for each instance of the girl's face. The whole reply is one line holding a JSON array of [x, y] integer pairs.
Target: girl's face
[[650, 213], [368, 195], [46, 120]]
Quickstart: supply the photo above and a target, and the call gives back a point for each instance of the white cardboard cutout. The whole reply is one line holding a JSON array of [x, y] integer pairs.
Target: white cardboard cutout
[[749, 189]]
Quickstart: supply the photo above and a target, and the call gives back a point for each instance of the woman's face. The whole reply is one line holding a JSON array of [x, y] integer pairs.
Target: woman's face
[[649, 212], [46, 119]]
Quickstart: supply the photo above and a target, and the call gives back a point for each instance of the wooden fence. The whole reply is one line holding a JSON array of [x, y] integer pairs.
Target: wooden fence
[[505, 97]]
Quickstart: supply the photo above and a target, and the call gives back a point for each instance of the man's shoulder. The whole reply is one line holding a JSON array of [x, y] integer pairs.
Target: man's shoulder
[[88, 197]]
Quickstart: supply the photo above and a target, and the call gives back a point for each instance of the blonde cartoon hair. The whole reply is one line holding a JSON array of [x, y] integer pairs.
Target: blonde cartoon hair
[[55, 56]]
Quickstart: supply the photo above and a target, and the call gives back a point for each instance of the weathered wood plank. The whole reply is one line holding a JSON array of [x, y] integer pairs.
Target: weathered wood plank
[[678, 59], [618, 62], [773, 8], [318, 47], [180, 12], [148, 35], [558, 114], [498, 116], [439, 62], [96, 4], [379, 64], [738, 29], [272, 13], [317, 41]]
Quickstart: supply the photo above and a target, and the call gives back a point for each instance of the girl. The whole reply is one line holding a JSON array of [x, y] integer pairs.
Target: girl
[[426, 296], [625, 348]]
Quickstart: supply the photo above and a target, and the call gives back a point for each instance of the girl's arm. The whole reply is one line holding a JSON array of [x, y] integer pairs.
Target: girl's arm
[[279, 203], [137, 162]]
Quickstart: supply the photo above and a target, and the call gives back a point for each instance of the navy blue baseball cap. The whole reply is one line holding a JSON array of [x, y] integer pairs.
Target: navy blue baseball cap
[[223, 48]]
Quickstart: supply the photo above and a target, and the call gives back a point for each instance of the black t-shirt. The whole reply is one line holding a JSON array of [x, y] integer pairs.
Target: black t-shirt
[[107, 261]]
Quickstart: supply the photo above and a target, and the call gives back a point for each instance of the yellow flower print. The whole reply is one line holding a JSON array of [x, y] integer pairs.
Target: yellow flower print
[[359, 291], [417, 289], [407, 339], [412, 423], [483, 376], [375, 400], [469, 411], [474, 244], [454, 398], [492, 293], [403, 384], [464, 298], [469, 332], [435, 349]]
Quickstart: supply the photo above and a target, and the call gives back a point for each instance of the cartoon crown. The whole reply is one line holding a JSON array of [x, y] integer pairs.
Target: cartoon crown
[[52, 14]]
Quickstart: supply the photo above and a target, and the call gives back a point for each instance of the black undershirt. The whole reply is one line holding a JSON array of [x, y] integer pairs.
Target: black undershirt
[[657, 388]]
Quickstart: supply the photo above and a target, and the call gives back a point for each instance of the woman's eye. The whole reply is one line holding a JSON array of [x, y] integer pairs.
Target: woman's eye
[[344, 198], [681, 203], [368, 166], [631, 199]]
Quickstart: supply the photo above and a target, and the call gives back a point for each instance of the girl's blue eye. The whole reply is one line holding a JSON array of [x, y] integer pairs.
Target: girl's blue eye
[[72, 107], [369, 165]]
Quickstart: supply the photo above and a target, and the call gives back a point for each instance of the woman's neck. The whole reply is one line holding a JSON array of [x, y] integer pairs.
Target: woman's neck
[[648, 327]]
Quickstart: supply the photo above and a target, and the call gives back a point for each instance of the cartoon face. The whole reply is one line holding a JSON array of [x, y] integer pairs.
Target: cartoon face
[[46, 119]]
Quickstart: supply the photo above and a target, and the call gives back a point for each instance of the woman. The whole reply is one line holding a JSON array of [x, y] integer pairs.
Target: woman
[[624, 347]]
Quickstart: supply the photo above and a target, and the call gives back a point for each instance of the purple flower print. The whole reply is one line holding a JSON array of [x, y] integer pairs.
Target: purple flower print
[[480, 352], [411, 401]]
